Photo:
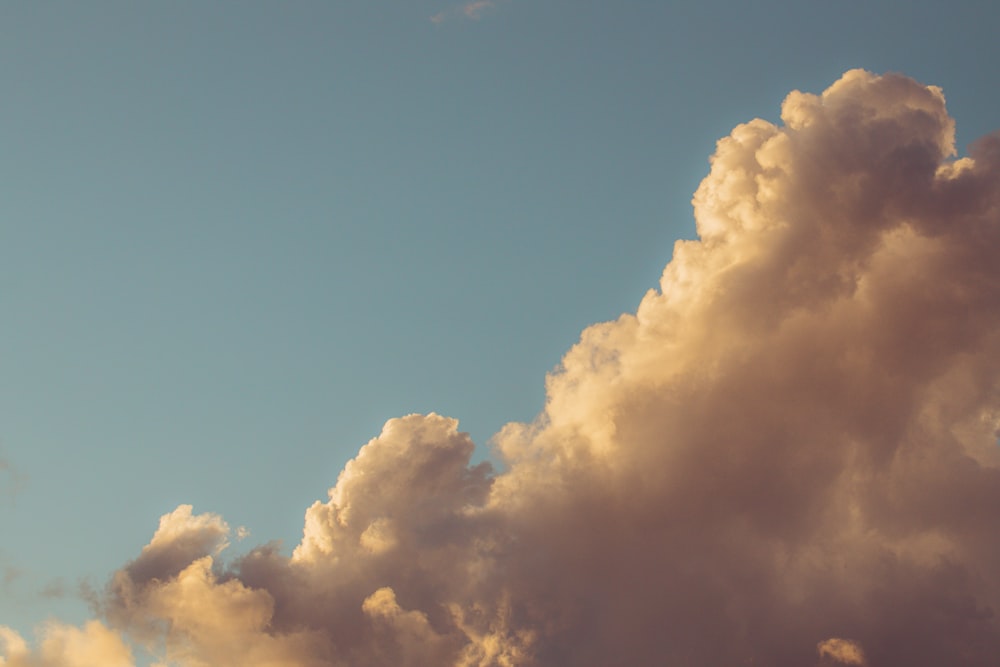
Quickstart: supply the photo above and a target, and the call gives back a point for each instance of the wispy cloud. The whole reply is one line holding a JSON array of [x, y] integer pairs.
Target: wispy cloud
[[470, 10], [8, 575], [55, 588], [11, 481]]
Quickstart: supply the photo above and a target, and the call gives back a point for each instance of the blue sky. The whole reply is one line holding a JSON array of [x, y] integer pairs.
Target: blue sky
[[235, 238]]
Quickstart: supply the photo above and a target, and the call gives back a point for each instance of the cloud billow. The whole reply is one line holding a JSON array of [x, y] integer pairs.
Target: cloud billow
[[786, 456]]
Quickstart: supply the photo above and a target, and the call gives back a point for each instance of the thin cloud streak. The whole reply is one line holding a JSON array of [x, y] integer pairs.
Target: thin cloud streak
[[470, 10], [786, 455]]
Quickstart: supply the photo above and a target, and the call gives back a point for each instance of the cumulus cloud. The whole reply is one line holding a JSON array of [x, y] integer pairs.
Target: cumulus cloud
[[791, 441]]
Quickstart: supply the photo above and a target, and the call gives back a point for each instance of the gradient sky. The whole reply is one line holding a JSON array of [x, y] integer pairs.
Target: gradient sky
[[235, 238]]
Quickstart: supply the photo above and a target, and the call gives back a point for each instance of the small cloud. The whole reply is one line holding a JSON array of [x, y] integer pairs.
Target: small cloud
[[844, 651], [474, 10], [470, 10]]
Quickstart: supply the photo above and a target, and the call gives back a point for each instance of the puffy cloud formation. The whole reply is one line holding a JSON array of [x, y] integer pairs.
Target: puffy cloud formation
[[792, 441], [66, 646]]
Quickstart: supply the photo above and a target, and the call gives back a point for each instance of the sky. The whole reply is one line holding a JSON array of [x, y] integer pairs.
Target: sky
[[236, 239]]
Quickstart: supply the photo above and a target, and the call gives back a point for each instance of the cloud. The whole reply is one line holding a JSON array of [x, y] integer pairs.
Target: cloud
[[66, 646], [792, 440], [843, 651], [470, 10]]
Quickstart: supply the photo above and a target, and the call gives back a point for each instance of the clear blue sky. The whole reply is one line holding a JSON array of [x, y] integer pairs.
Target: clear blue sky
[[236, 237]]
